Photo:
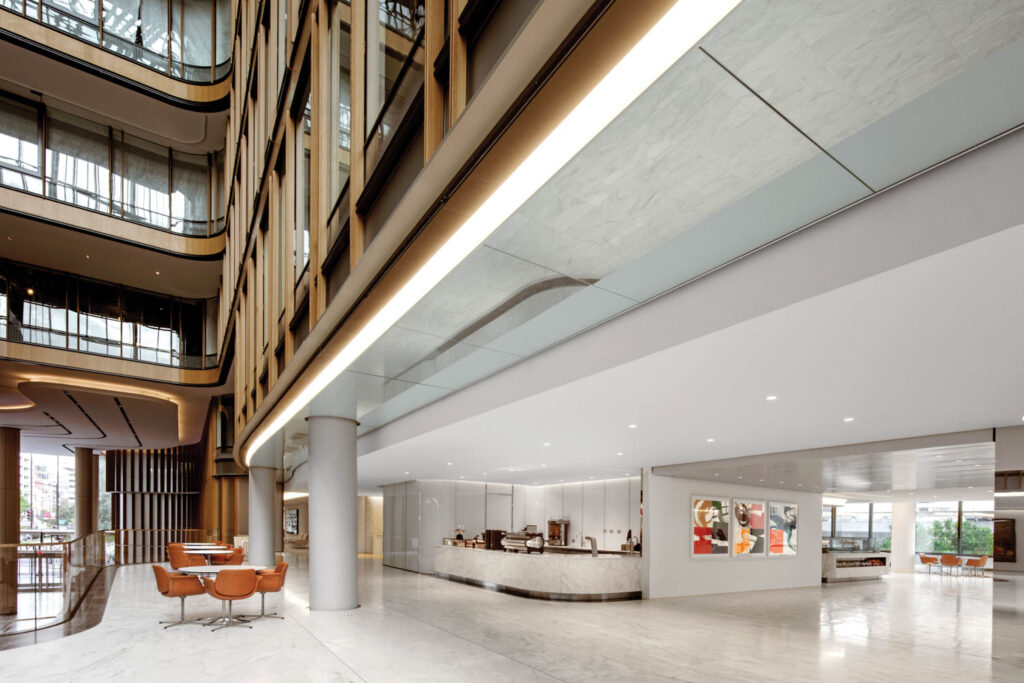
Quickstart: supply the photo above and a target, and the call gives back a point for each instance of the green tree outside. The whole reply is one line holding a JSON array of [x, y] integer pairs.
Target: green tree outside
[[940, 537]]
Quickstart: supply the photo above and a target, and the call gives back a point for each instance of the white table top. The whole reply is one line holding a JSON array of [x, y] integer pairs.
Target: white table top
[[205, 545], [210, 551], [218, 568]]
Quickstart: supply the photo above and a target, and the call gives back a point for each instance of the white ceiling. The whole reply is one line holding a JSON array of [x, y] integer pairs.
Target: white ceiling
[[892, 470], [927, 348]]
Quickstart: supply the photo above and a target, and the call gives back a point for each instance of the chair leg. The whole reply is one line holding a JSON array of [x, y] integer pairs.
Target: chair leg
[[263, 611], [181, 621], [232, 620]]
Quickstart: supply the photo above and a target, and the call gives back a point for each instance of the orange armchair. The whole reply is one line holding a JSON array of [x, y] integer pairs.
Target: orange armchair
[[178, 558], [269, 581], [231, 585], [237, 557], [226, 558], [175, 585], [949, 561], [929, 561], [977, 564]]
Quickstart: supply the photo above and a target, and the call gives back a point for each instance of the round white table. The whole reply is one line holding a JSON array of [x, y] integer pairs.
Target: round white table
[[201, 546], [210, 552], [213, 571]]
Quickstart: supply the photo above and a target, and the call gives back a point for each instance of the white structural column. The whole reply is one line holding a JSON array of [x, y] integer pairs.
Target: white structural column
[[262, 489], [902, 556], [263, 502], [333, 495]]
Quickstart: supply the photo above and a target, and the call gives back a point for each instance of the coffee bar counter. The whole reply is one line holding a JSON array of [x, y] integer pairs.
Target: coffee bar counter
[[547, 575], [854, 566]]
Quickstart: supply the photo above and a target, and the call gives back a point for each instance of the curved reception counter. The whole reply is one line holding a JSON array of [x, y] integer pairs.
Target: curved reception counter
[[546, 576]]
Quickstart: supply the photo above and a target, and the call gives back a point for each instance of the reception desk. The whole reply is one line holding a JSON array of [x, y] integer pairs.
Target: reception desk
[[546, 576]]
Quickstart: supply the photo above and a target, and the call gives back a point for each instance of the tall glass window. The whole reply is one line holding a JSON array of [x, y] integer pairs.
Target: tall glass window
[[302, 194], [976, 532], [881, 525], [936, 527], [101, 169], [826, 521], [852, 520], [341, 107], [394, 68], [47, 497]]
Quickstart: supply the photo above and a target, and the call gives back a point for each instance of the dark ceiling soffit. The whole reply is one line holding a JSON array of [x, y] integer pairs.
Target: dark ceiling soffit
[[203, 107]]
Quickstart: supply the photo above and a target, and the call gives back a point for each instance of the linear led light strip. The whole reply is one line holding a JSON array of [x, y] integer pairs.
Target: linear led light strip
[[678, 31]]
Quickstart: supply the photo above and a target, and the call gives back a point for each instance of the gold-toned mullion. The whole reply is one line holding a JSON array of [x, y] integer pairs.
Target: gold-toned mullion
[[457, 63], [357, 98], [433, 94]]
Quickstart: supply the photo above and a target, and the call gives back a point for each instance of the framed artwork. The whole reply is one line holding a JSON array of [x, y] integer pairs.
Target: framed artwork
[[782, 529], [291, 521], [710, 527], [748, 528]]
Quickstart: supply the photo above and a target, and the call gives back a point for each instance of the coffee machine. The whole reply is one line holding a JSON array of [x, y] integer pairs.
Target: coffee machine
[[558, 532]]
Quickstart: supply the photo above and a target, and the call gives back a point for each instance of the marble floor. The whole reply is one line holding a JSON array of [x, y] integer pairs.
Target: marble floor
[[419, 628]]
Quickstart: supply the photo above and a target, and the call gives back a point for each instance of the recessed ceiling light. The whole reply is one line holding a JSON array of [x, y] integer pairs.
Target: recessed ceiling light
[[847, 419], [461, 477], [739, 476], [626, 473], [977, 465], [711, 440], [970, 487], [716, 474], [543, 465], [782, 482], [407, 473], [449, 464], [632, 426], [157, 272], [762, 480], [771, 398], [799, 484], [484, 474], [30, 291], [88, 257], [619, 453], [547, 443], [591, 477], [560, 481]]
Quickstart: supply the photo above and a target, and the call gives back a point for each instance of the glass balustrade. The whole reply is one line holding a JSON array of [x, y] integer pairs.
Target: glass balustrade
[[42, 584], [72, 160], [48, 308], [186, 39]]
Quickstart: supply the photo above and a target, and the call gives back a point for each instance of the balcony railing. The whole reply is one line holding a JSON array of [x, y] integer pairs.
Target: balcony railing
[[43, 584], [47, 152], [189, 40]]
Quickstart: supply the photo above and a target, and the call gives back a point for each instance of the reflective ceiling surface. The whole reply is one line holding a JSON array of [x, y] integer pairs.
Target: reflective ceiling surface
[[786, 112]]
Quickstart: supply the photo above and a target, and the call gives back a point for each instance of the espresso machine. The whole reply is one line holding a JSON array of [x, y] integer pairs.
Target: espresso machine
[[558, 532]]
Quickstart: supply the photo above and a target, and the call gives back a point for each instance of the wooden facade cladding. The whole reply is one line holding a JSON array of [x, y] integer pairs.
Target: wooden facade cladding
[[154, 497]]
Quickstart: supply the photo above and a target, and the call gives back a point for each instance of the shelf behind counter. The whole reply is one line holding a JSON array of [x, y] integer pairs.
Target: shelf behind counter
[[572, 575]]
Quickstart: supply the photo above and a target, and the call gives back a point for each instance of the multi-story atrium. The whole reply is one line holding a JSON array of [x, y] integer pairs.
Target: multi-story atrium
[[451, 340]]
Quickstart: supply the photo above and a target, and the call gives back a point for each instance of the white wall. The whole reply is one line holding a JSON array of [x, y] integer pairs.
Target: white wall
[[418, 515], [669, 570], [1010, 456]]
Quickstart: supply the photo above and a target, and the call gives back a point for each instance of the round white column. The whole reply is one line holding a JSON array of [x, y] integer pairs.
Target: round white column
[[333, 494], [262, 489]]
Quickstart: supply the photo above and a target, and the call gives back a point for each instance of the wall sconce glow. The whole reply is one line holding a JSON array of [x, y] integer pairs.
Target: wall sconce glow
[[847, 419], [667, 41], [295, 495]]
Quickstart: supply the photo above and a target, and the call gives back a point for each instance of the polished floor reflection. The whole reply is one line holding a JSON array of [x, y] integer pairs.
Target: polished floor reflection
[[414, 627]]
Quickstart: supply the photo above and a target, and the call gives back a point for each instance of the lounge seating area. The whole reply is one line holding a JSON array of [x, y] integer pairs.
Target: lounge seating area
[[948, 563], [216, 570]]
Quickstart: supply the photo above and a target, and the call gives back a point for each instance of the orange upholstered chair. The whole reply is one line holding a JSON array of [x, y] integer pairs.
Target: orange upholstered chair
[[178, 558], [225, 558], [949, 561], [231, 585], [977, 564], [270, 581], [237, 557], [175, 585], [929, 561]]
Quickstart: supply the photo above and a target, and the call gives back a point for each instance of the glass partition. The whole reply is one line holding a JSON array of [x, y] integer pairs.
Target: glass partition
[[936, 527], [47, 308], [394, 69], [976, 527], [106, 170], [187, 39]]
